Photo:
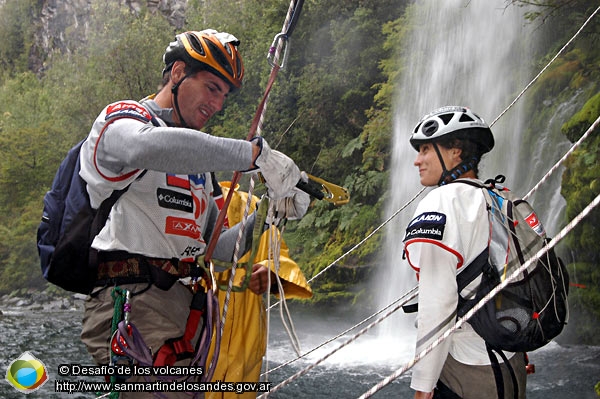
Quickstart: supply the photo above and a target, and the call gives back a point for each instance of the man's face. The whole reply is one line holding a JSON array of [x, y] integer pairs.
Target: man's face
[[200, 96]]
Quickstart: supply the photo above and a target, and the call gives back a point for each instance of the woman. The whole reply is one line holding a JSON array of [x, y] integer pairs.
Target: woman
[[449, 230]]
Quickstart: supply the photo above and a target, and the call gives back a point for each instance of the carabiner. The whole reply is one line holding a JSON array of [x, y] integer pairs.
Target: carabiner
[[273, 49]]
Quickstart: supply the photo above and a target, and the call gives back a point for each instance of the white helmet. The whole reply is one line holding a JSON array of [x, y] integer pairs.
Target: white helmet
[[459, 122]]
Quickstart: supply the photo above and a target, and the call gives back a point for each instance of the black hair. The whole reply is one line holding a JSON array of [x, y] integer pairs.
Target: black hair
[[469, 149]]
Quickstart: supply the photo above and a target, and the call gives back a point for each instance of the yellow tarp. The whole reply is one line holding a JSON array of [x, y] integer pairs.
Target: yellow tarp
[[243, 343]]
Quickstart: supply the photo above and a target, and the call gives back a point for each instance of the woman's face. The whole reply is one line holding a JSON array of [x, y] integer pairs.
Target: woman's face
[[430, 167]]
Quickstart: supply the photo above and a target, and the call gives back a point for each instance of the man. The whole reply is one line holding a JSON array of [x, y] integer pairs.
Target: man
[[162, 224], [449, 230]]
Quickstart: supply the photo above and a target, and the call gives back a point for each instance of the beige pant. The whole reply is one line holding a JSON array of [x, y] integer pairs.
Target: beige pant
[[157, 314], [476, 382]]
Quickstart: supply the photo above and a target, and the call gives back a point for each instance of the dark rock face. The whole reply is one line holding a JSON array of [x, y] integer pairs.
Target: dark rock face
[[64, 24]]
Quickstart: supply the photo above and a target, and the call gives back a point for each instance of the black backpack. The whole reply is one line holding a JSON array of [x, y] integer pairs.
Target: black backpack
[[68, 227], [532, 309]]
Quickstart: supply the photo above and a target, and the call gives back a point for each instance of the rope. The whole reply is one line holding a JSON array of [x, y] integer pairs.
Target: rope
[[564, 158], [485, 299], [552, 170], [255, 131], [410, 292], [346, 343], [236, 254], [546, 67], [286, 318], [370, 235], [201, 357]]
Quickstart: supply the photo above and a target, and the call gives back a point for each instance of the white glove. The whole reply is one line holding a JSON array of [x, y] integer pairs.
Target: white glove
[[292, 207], [279, 171]]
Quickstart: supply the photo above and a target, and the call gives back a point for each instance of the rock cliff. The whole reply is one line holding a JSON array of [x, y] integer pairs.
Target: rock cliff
[[63, 24]]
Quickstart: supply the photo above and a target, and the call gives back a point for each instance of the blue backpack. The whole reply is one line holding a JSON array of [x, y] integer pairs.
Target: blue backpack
[[68, 227]]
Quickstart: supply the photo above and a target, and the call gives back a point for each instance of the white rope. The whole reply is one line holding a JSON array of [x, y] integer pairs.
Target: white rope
[[293, 338], [302, 372], [469, 314], [546, 67], [485, 299], [250, 193], [564, 158], [284, 312], [236, 255], [368, 236], [402, 298]]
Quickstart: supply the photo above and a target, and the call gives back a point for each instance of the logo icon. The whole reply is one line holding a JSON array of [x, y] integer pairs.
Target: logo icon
[[27, 373]]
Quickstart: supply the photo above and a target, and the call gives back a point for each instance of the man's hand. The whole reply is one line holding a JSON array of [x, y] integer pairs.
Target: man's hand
[[293, 207], [279, 171]]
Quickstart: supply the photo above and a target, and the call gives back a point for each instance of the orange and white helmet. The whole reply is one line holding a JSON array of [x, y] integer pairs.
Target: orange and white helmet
[[210, 50]]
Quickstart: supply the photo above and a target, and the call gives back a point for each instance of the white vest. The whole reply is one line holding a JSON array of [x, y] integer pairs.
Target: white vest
[[161, 215]]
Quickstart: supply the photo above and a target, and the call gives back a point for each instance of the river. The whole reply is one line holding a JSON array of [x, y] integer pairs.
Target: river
[[52, 336]]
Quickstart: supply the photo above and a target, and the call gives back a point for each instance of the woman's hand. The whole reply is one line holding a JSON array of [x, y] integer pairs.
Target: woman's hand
[[423, 395], [259, 280]]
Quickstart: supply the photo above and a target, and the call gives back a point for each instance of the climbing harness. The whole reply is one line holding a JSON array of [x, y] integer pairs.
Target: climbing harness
[[181, 348]]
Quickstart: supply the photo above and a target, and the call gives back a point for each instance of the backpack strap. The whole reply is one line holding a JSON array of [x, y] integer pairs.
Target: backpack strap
[[106, 206], [489, 183], [498, 372]]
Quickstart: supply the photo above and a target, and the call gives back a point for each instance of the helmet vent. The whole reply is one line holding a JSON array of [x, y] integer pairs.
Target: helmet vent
[[196, 44], [228, 48], [429, 128], [446, 118], [465, 118], [221, 60]]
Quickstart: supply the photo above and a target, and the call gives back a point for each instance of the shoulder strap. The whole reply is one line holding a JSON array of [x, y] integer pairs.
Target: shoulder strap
[[106, 206], [498, 372], [489, 183], [470, 182], [472, 270]]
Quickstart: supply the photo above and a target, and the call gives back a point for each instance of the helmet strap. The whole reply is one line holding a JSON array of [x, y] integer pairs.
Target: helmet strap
[[453, 174], [445, 172], [175, 92]]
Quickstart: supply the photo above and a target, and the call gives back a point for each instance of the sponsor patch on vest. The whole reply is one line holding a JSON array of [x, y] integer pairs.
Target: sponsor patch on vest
[[174, 200], [181, 181], [182, 227], [129, 110], [429, 225]]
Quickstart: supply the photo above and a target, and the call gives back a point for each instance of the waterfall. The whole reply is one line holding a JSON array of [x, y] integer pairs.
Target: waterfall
[[474, 53]]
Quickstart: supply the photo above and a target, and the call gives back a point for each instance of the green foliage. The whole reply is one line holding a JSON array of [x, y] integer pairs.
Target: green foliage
[[580, 185], [17, 24], [330, 109], [582, 120]]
